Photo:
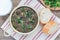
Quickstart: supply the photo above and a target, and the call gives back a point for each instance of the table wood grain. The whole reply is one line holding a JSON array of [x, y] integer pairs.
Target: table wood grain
[[3, 18]]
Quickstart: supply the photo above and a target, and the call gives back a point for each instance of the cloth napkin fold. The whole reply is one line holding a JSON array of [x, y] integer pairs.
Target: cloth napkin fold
[[36, 35]]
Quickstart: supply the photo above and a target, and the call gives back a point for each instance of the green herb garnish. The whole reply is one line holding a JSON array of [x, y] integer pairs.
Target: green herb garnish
[[32, 20], [52, 3], [28, 13], [23, 27], [28, 27], [22, 9], [19, 20], [58, 4]]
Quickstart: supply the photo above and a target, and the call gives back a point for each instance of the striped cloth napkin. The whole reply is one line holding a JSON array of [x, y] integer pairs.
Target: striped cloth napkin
[[36, 35]]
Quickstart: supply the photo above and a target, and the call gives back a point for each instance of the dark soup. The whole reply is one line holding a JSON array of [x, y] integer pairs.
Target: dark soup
[[24, 19]]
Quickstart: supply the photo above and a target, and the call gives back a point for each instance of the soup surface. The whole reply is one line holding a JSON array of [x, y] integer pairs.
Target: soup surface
[[24, 19]]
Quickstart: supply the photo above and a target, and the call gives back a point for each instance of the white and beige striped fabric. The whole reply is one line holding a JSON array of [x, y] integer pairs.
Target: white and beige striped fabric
[[36, 35]]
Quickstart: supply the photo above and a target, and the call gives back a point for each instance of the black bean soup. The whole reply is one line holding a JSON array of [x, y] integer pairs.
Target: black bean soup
[[24, 19]]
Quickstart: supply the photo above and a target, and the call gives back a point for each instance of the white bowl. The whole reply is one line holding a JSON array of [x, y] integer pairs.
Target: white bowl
[[21, 32], [5, 7]]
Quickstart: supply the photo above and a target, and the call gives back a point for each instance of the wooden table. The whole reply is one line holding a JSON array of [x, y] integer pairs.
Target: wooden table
[[2, 20]]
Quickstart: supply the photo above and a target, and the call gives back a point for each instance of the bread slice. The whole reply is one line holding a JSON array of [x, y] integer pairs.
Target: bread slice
[[45, 15], [50, 27]]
